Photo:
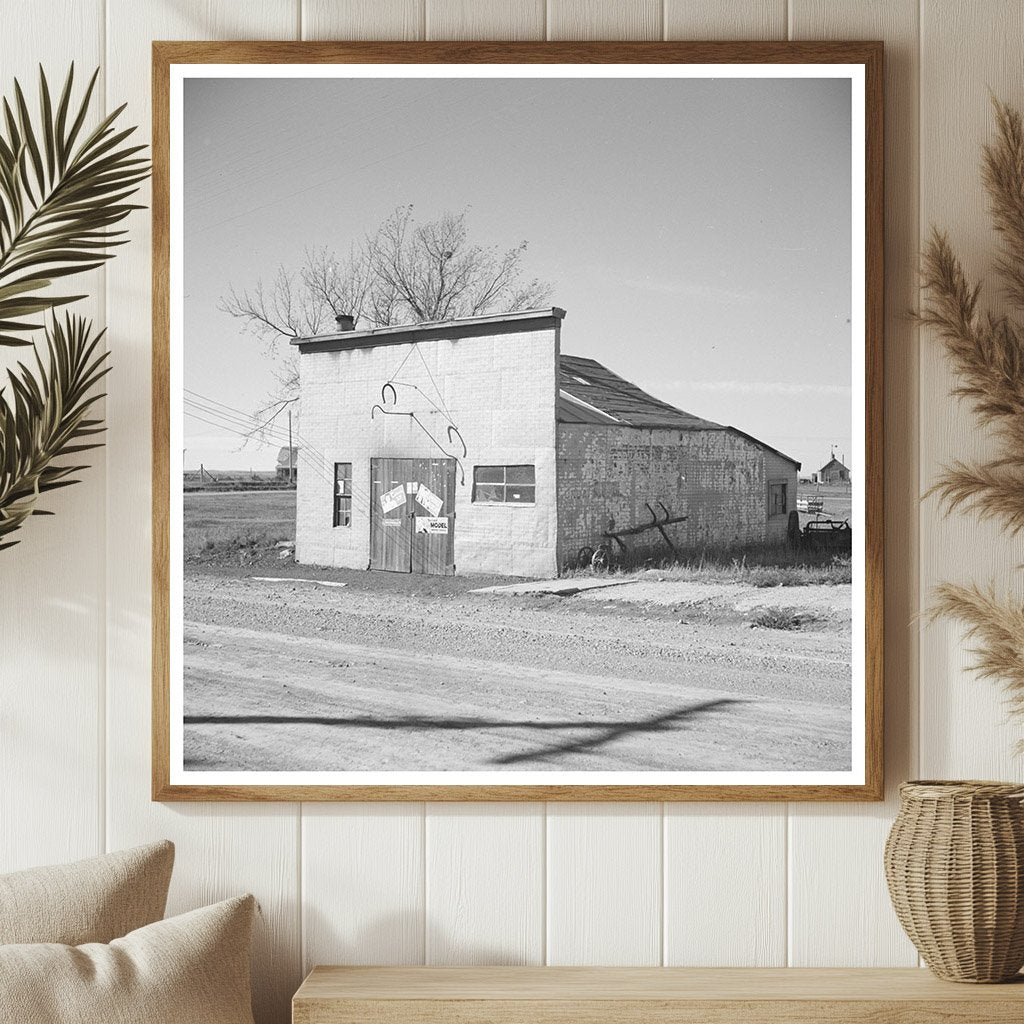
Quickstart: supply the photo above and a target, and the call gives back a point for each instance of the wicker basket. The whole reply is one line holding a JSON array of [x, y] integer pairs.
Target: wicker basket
[[954, 861]]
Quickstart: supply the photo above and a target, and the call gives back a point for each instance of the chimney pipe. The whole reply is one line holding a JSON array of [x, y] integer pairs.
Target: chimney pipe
[[346, 322]]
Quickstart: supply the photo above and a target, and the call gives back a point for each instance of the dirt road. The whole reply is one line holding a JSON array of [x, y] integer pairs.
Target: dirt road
[[287, 676]]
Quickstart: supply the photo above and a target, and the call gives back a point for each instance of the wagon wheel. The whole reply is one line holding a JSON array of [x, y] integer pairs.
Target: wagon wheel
[[583, 557]]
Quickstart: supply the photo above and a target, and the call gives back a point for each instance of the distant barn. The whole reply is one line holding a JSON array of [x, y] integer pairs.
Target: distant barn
[[476, 443], [834, 472], [288, 464]]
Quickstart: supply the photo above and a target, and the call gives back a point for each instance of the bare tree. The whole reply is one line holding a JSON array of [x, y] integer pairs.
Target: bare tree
[[432, 271], [402, 273]]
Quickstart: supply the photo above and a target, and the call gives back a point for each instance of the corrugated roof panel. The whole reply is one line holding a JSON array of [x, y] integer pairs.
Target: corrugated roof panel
[[590, 382], [574, 410], [591, 393]]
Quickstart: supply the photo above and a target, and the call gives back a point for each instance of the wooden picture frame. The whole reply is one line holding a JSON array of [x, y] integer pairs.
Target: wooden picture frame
[[171, 55]]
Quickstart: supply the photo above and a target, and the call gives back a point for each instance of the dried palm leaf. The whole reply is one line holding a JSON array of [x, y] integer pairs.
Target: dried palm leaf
[[45, 418], [62, 191]]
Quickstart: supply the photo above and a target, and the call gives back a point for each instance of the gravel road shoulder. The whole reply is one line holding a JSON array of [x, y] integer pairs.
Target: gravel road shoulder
[[392, 672]]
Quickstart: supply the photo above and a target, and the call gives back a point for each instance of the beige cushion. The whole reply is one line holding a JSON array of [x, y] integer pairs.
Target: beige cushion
[[93, 900], [191, 969]]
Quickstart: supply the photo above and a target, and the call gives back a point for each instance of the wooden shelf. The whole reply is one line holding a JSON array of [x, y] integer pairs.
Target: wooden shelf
[[632, 995]]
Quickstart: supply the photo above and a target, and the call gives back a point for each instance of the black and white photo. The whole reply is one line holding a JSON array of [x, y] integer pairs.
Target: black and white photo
[[517, 425]]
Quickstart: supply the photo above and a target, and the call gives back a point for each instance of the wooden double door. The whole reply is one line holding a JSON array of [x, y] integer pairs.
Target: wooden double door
[[412, 515]]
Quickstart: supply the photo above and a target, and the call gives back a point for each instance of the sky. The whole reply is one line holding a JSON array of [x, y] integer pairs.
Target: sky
[[696, 231]]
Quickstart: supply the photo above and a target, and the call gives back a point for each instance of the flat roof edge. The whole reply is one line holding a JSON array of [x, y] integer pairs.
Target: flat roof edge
[[389, 334]]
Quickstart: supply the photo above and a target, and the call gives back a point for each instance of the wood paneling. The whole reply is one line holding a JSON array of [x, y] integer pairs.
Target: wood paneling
[[485, 19], [967, 49], [52, 615], [363, 19], [604, 19], [363, 897], [827, 850], [604, 884], [725, 885], [485, 883], [222, 849], [726, 19], [370, 890]]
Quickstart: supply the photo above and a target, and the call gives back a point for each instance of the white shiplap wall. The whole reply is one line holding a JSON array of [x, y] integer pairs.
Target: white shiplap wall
[[742, 884]]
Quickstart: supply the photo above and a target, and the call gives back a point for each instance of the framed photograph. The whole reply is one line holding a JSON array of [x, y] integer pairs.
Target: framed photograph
[[517, 421]]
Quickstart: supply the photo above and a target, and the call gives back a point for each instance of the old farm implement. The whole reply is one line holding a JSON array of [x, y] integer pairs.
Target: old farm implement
[[828, 535], [824, 532], [601, 557]]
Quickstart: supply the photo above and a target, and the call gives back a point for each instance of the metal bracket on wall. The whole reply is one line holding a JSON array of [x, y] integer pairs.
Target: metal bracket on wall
[[437, 444]]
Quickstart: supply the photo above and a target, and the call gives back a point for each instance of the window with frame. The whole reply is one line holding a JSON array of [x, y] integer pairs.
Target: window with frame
[[504, 485], [777, 504], [343, 494]]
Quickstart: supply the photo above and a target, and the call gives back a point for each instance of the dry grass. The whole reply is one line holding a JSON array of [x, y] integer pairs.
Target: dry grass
[[783, 618], [228, 541], [756, 566], [996, 626], [986, 351], [992, 490], [237, 524]]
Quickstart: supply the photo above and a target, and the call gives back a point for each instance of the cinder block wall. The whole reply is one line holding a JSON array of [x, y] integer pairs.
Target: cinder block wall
[[499, 389], [606, 473]]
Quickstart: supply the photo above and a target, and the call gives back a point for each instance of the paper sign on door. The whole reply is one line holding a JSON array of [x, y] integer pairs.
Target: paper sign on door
[[392, 499], [431, 524], [430, 501]]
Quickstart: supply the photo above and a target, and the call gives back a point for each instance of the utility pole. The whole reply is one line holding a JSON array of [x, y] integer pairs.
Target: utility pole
[[291, 450]]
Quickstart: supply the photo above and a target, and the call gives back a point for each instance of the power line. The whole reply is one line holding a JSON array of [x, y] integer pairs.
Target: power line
[[232, 427], [405, 539], [236, 426], [244, 417], [235, 419], [239, 418], [312, 465], [436, 388]]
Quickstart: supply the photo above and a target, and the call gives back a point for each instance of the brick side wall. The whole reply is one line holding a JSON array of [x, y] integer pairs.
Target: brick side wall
[[500, 391], [606, 474]]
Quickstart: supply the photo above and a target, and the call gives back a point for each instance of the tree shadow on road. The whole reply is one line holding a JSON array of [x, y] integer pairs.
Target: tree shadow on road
[[597, 732]]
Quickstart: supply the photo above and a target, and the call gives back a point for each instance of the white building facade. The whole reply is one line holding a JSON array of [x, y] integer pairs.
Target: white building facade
[[473, 446]]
